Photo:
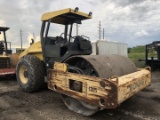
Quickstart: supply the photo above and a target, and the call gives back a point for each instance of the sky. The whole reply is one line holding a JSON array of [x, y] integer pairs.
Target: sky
[[135, 22]]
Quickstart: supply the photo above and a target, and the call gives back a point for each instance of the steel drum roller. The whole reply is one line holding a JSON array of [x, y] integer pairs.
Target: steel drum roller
[[101, 66]]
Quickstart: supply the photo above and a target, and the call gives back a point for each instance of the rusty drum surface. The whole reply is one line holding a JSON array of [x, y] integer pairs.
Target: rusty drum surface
[[106, 66]]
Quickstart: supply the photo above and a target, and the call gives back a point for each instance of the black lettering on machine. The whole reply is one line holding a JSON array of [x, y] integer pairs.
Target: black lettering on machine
[[137, 84], [93, 89]]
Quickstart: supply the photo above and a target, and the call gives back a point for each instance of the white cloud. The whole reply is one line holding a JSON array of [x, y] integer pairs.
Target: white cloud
[[111, 6], [30, 36], [141, 33], [2, 23], [120, 19]]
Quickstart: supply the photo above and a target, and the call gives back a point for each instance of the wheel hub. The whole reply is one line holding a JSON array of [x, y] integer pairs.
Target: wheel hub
[[26, 74], [23, 74]]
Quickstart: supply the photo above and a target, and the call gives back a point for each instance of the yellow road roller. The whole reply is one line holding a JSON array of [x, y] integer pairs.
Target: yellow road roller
[[87, 83], [8, 61]]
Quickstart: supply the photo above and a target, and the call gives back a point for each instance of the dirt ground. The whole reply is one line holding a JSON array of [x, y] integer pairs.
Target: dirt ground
[[47, 105]]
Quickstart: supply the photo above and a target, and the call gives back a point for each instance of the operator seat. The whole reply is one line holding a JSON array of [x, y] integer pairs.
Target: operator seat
[[82, 43], [50, 40], [55, 46], [60, 41]]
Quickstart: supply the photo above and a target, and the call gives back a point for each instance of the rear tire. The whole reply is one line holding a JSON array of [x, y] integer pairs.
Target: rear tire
[[30, 73]]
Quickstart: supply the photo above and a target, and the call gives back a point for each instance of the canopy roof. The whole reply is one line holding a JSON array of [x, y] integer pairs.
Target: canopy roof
[[65, 16], [4, 28]]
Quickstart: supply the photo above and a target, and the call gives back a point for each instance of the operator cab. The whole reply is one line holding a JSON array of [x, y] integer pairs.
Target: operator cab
[[4, 43], [59, 48]]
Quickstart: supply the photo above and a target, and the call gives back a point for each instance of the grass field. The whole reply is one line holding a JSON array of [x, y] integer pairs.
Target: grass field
[[137, 53], [135, 58]]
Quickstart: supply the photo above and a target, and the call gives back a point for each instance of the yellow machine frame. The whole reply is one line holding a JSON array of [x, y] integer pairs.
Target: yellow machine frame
[[106, 93]]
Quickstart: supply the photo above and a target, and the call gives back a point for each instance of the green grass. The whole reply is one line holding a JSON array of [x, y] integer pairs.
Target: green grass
[[138, 49], [135, 58], [137, 53]]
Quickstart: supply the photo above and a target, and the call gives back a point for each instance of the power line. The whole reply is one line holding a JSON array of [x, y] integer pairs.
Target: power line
[[99, 30]]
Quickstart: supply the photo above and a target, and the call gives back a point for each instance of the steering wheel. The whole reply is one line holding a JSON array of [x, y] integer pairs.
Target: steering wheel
[[61, 34], [68, 35]]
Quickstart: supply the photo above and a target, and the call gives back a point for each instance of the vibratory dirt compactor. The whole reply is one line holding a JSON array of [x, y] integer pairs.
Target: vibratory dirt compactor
[[8, 60], [86, 83]]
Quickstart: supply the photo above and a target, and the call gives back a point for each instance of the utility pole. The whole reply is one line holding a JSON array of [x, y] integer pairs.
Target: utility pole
[[21, 39], [99, 30], [103, 33]]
